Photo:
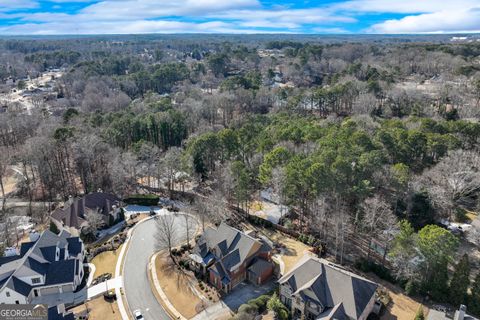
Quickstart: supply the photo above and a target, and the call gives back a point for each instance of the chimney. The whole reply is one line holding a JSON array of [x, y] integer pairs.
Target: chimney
[[70, 200], [460, 313]]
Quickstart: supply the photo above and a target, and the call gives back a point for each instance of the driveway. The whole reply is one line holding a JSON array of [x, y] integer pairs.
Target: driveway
[[136, 285], [230, 303]]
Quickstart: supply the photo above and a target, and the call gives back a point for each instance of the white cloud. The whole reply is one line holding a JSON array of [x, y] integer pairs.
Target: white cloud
[[145, 9], [333, 30], [454, 21], [9, 5], [298, 16], [239, 16], [406, 6]]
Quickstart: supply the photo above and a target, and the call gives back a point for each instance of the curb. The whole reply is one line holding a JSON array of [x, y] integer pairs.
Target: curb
[[123, 306], [119, 271], [158, 291]]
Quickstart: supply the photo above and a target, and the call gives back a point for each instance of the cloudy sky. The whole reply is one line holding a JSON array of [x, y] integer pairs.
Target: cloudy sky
[[238, 16]]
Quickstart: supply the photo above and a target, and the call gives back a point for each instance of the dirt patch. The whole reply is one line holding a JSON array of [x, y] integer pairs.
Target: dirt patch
[[105, 262], [293, 251], [10, 181], [402, 306], [176, 284], [99, 309]]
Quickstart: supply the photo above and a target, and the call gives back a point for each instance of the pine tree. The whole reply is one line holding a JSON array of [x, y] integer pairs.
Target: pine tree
[[460, 282], [474, 301]]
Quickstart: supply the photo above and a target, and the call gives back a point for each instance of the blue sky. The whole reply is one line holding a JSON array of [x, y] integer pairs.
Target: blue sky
[[238, 16]]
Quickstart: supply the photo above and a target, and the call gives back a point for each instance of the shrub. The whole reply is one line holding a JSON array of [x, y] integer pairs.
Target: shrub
[[247, 308], [260, 302], [419, 315], [461, 215], [142, 199], [53, 228]]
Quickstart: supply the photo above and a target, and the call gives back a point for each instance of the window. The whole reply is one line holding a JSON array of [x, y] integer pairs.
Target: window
[[36, 280], [7, 293]]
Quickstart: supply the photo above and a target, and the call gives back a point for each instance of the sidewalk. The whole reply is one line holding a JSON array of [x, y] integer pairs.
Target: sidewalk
[[104, 287]]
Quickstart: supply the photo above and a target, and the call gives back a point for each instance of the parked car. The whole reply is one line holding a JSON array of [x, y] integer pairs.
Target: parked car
[[138, 315]]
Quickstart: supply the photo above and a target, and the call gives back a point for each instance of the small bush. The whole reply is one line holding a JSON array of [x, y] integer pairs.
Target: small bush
[[248, 308], [419, 315]]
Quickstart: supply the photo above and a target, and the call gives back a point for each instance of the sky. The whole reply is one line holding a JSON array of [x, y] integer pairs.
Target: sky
[[41, 17]]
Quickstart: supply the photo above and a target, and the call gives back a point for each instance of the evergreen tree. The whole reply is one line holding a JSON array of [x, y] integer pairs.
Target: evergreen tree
[[474, 301], [460, 282]]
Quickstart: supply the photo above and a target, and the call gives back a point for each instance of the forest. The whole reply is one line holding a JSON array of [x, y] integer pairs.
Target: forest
[[373, 138]]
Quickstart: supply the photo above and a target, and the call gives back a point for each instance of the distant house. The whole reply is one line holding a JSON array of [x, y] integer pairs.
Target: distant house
[[51, 265], [318, 289], [228, 256], [74, 215]]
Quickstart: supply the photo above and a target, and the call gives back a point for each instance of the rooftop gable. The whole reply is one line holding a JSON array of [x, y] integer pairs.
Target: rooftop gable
[[330, 285]]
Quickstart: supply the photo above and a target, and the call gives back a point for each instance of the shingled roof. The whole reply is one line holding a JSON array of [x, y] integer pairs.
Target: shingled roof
[[39, 258], [226, 244], [333, 287], [74, 214]]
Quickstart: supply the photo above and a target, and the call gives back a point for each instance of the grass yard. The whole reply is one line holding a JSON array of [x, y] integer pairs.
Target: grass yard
[[175, 284], [402, 306], [103, 310], [105, 262], [99, 309], [294, 249]]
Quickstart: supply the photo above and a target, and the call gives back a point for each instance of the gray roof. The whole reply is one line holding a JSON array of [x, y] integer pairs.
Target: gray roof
[[39, 259], [337, 312], [259, 266], [328, 284], [74, 214], [232, 246]]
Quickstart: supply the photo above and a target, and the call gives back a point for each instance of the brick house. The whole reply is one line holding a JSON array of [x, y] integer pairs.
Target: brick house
[[227, 256], [73, 216], [318, 289]]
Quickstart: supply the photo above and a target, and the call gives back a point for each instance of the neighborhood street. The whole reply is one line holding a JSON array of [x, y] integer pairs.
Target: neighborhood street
[[136, 285]]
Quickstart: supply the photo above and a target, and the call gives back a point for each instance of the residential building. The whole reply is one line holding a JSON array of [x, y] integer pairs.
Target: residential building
[[228, 256], [318, 289], [73, 216], [51, 265]]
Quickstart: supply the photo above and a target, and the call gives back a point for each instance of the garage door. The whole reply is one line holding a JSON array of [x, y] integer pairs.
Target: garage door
[[47, 291], [67, 288]]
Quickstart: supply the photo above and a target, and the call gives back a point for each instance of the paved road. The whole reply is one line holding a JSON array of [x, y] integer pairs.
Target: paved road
[[137, 288]]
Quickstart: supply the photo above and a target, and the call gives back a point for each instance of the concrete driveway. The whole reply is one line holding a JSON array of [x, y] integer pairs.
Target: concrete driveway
[[230, 303], [136, 285]]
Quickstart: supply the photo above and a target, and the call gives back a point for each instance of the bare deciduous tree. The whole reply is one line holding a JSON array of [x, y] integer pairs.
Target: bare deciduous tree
[[167, 233], [454, 182], [4, 162]]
